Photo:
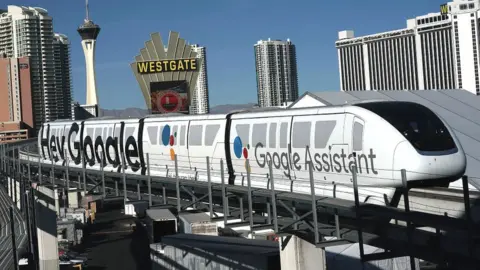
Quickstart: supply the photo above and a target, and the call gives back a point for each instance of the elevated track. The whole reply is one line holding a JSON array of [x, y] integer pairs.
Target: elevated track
[[451, 241]]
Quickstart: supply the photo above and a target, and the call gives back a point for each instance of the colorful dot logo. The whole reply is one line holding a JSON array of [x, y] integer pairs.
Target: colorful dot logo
[[168, 139], [239, 149]]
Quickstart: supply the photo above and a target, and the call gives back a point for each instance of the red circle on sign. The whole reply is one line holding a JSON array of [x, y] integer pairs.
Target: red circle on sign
[[169, 101]]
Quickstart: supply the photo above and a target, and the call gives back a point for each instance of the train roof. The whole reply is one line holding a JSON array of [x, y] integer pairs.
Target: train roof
[[169, 117]]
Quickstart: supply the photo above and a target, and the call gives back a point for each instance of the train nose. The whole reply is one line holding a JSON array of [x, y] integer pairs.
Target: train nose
[[449, 164], [405, 157]]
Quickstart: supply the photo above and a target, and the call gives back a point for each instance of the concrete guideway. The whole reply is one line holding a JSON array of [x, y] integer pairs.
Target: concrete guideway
[[449, 239]]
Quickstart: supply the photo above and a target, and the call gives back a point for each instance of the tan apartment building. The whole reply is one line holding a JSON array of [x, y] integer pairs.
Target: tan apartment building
[[16, 116]]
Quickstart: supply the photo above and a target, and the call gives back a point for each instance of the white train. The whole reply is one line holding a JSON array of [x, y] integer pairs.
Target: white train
[[379, 138]]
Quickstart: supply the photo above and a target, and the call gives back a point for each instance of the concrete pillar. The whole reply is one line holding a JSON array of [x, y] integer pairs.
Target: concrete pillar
[[301, 255], [46, 220]]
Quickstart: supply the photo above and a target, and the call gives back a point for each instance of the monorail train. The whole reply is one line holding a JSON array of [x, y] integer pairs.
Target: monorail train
[[379, 138]]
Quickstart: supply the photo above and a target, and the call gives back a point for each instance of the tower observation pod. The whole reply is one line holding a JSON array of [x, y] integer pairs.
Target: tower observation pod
[[89, 32]]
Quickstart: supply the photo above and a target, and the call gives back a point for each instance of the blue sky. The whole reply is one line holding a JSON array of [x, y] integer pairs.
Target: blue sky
[[228, 29]]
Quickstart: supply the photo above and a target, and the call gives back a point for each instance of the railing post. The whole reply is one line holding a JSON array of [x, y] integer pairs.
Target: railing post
[[407, 210], [53, 172], [14, 181], [67, 177], [29, 171], [273, 197], [40, 170], [177, 185], [84, 173], [249, 196], [34, 229], [102, 168], [468, 216], [149, 181], [314, 203], [2, 147], [27, 214], [124, 177], [357, 212], [210, 199], [139, 194], [14, 245], [164, 194], [337, 222], [224, 195], [21, 186]]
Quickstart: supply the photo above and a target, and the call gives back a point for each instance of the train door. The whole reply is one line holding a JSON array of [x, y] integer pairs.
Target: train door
[[173, 141], [116, 129], [61, 139], [354, 137], [301, 145], [283, 168], [197, 153], [205, 139]]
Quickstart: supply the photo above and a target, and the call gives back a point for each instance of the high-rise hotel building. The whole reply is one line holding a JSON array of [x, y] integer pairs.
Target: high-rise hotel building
[[63, 80], [200, 99], [435, 51], [28, 32], [276, 67]]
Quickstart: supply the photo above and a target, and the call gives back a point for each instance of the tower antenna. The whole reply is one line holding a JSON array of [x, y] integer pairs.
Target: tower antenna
[[86, 7]]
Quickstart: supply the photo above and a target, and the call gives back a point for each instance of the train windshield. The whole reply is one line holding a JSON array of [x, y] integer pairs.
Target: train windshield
[[418, 124]]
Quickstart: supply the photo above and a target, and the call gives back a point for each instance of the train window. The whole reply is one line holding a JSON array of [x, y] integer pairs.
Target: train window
[[129, 132], [283, 135], [272, 135], [117, 132], [323, 131], [152, 134], [174, 132], [195, 135], [418, 124], [243, 131], [301, 133], [90, 132], [98, 133], [357, 136], [160, 135], [259, 134], [110, 131], [210, 134], [182, 135], [67, 131]]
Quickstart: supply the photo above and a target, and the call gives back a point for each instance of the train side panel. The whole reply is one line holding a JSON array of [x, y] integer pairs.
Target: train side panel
[[97, 135], [318, 140], [162, 140], [206, 138], [258, 139], [52, 143], [131, 147]]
